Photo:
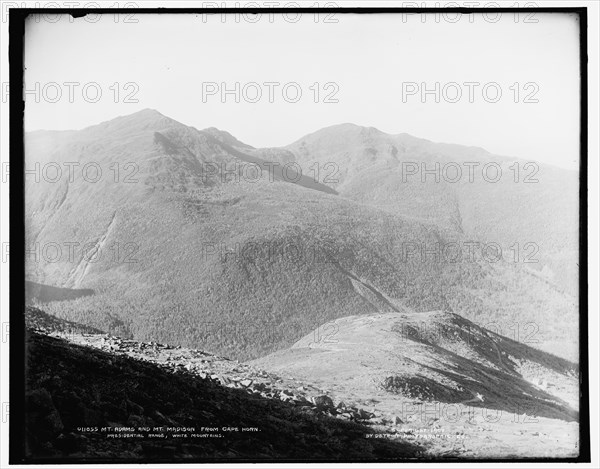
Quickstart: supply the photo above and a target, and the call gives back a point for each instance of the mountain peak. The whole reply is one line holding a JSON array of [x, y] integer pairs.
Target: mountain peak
[[148, 111], [350, 127], [147, 115], [346, 132], [146, 119]]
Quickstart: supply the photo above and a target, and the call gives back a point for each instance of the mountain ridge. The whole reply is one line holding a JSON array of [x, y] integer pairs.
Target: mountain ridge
[[206, 241], [157, 115]]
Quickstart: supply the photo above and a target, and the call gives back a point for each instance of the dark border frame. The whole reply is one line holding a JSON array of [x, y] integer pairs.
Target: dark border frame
[[17, 17]]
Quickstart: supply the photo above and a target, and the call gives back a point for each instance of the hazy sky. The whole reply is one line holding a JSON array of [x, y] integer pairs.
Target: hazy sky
[[178, 64]]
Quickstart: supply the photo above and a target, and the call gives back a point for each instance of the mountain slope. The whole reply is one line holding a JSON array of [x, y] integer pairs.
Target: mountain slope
[[491, 198], [438, 368], [92, 405], [181, 245]]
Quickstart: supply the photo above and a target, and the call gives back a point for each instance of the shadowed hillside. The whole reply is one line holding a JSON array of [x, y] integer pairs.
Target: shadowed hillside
[[73, 392], [36, 292], [38, 320]]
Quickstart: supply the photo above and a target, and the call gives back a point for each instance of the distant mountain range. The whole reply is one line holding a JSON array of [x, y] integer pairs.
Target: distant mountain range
[[203, 241]]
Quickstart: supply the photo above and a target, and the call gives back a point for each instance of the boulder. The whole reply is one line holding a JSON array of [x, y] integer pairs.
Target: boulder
[[324, 402]]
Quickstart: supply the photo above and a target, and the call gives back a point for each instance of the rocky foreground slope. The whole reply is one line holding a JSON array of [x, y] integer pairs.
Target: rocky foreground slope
[[95, 397], [390, 386]]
